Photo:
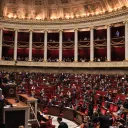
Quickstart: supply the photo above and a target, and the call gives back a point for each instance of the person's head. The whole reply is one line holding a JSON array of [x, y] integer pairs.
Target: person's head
[[21, 126], [49, 117], [95, 113], [126, 99], [59, 119], [108, 113]]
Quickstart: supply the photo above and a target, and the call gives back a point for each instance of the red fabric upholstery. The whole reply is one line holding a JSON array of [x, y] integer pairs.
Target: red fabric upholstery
[[103, 111], [115, 108]]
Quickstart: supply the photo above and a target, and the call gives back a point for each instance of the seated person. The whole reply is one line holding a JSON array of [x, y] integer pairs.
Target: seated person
[[125, 105], [41, 116], [50, 40], [85, 38], [69, 40], [84, 125], [117, 33]]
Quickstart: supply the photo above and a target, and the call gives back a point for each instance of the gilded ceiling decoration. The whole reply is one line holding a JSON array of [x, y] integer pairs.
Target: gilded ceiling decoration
[[58, 9]]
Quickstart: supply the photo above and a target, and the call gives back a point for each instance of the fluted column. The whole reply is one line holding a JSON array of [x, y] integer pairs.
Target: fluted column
[[1, 38], [45, 45], [30, 45], [76, 46], [15, 44], [60, 44], [126, 40], [108, 43], [92, 44]]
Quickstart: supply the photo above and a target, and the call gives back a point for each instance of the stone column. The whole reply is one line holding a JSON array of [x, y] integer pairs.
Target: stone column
[[15, 44], [108, 43], [76, 45], [1, 39], [126, 40], [45, 44], [92, 44], [30, 45], [60, 45]]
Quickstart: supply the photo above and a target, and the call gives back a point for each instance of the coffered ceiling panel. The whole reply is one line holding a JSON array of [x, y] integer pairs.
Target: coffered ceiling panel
[[55, 9]]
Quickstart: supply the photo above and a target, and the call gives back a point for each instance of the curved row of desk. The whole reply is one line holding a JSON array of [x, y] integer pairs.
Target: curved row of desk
[[68, 113]]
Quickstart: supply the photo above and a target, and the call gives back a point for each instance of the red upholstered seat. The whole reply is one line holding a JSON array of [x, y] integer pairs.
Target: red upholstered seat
[[86, 112], [45, 111], [95, 108], [49, 124], [103, 103], [115, 108], [61, 114], [123, 116], [42, 124], [103, 111], [111, 107]]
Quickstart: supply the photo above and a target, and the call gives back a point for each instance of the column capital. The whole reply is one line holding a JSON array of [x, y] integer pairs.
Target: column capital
[[108, 25], [45, 30], [30, 30], [1, 28], [60, 30], [90, 28], [125, 22], [16, 29], [76, 29]]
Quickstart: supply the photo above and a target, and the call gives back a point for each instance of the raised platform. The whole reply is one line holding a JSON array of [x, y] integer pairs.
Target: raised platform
[[114, 64]]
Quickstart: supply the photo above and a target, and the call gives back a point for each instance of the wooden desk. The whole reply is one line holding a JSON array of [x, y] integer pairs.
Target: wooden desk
[[54, 110], [79, 117], [69, 113], [27, 98], [15, 115], [13, 103]]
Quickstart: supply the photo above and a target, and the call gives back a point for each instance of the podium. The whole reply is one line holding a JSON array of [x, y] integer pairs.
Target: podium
[[9, 90], [16, 114]]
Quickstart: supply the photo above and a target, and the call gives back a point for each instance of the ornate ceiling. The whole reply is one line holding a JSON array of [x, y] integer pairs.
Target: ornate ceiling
[[58, 9]]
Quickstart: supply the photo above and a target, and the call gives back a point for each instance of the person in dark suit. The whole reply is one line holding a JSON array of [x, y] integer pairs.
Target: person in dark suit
[[104, 120], [125, 105], [61, 124]]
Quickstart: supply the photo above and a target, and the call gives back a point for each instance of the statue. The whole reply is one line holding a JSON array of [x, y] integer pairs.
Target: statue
[[32, 14]]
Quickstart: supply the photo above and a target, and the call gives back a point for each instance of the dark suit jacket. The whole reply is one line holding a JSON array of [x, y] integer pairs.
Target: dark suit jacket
[[105, 122], [63, 125], [125, 105]]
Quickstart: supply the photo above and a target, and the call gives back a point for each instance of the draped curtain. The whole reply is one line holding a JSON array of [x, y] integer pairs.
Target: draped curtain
[[84, 53], [7, 52], [118, 53], [37, 53], [68, 53], [22, 52], [53, 53], [100, 52]]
